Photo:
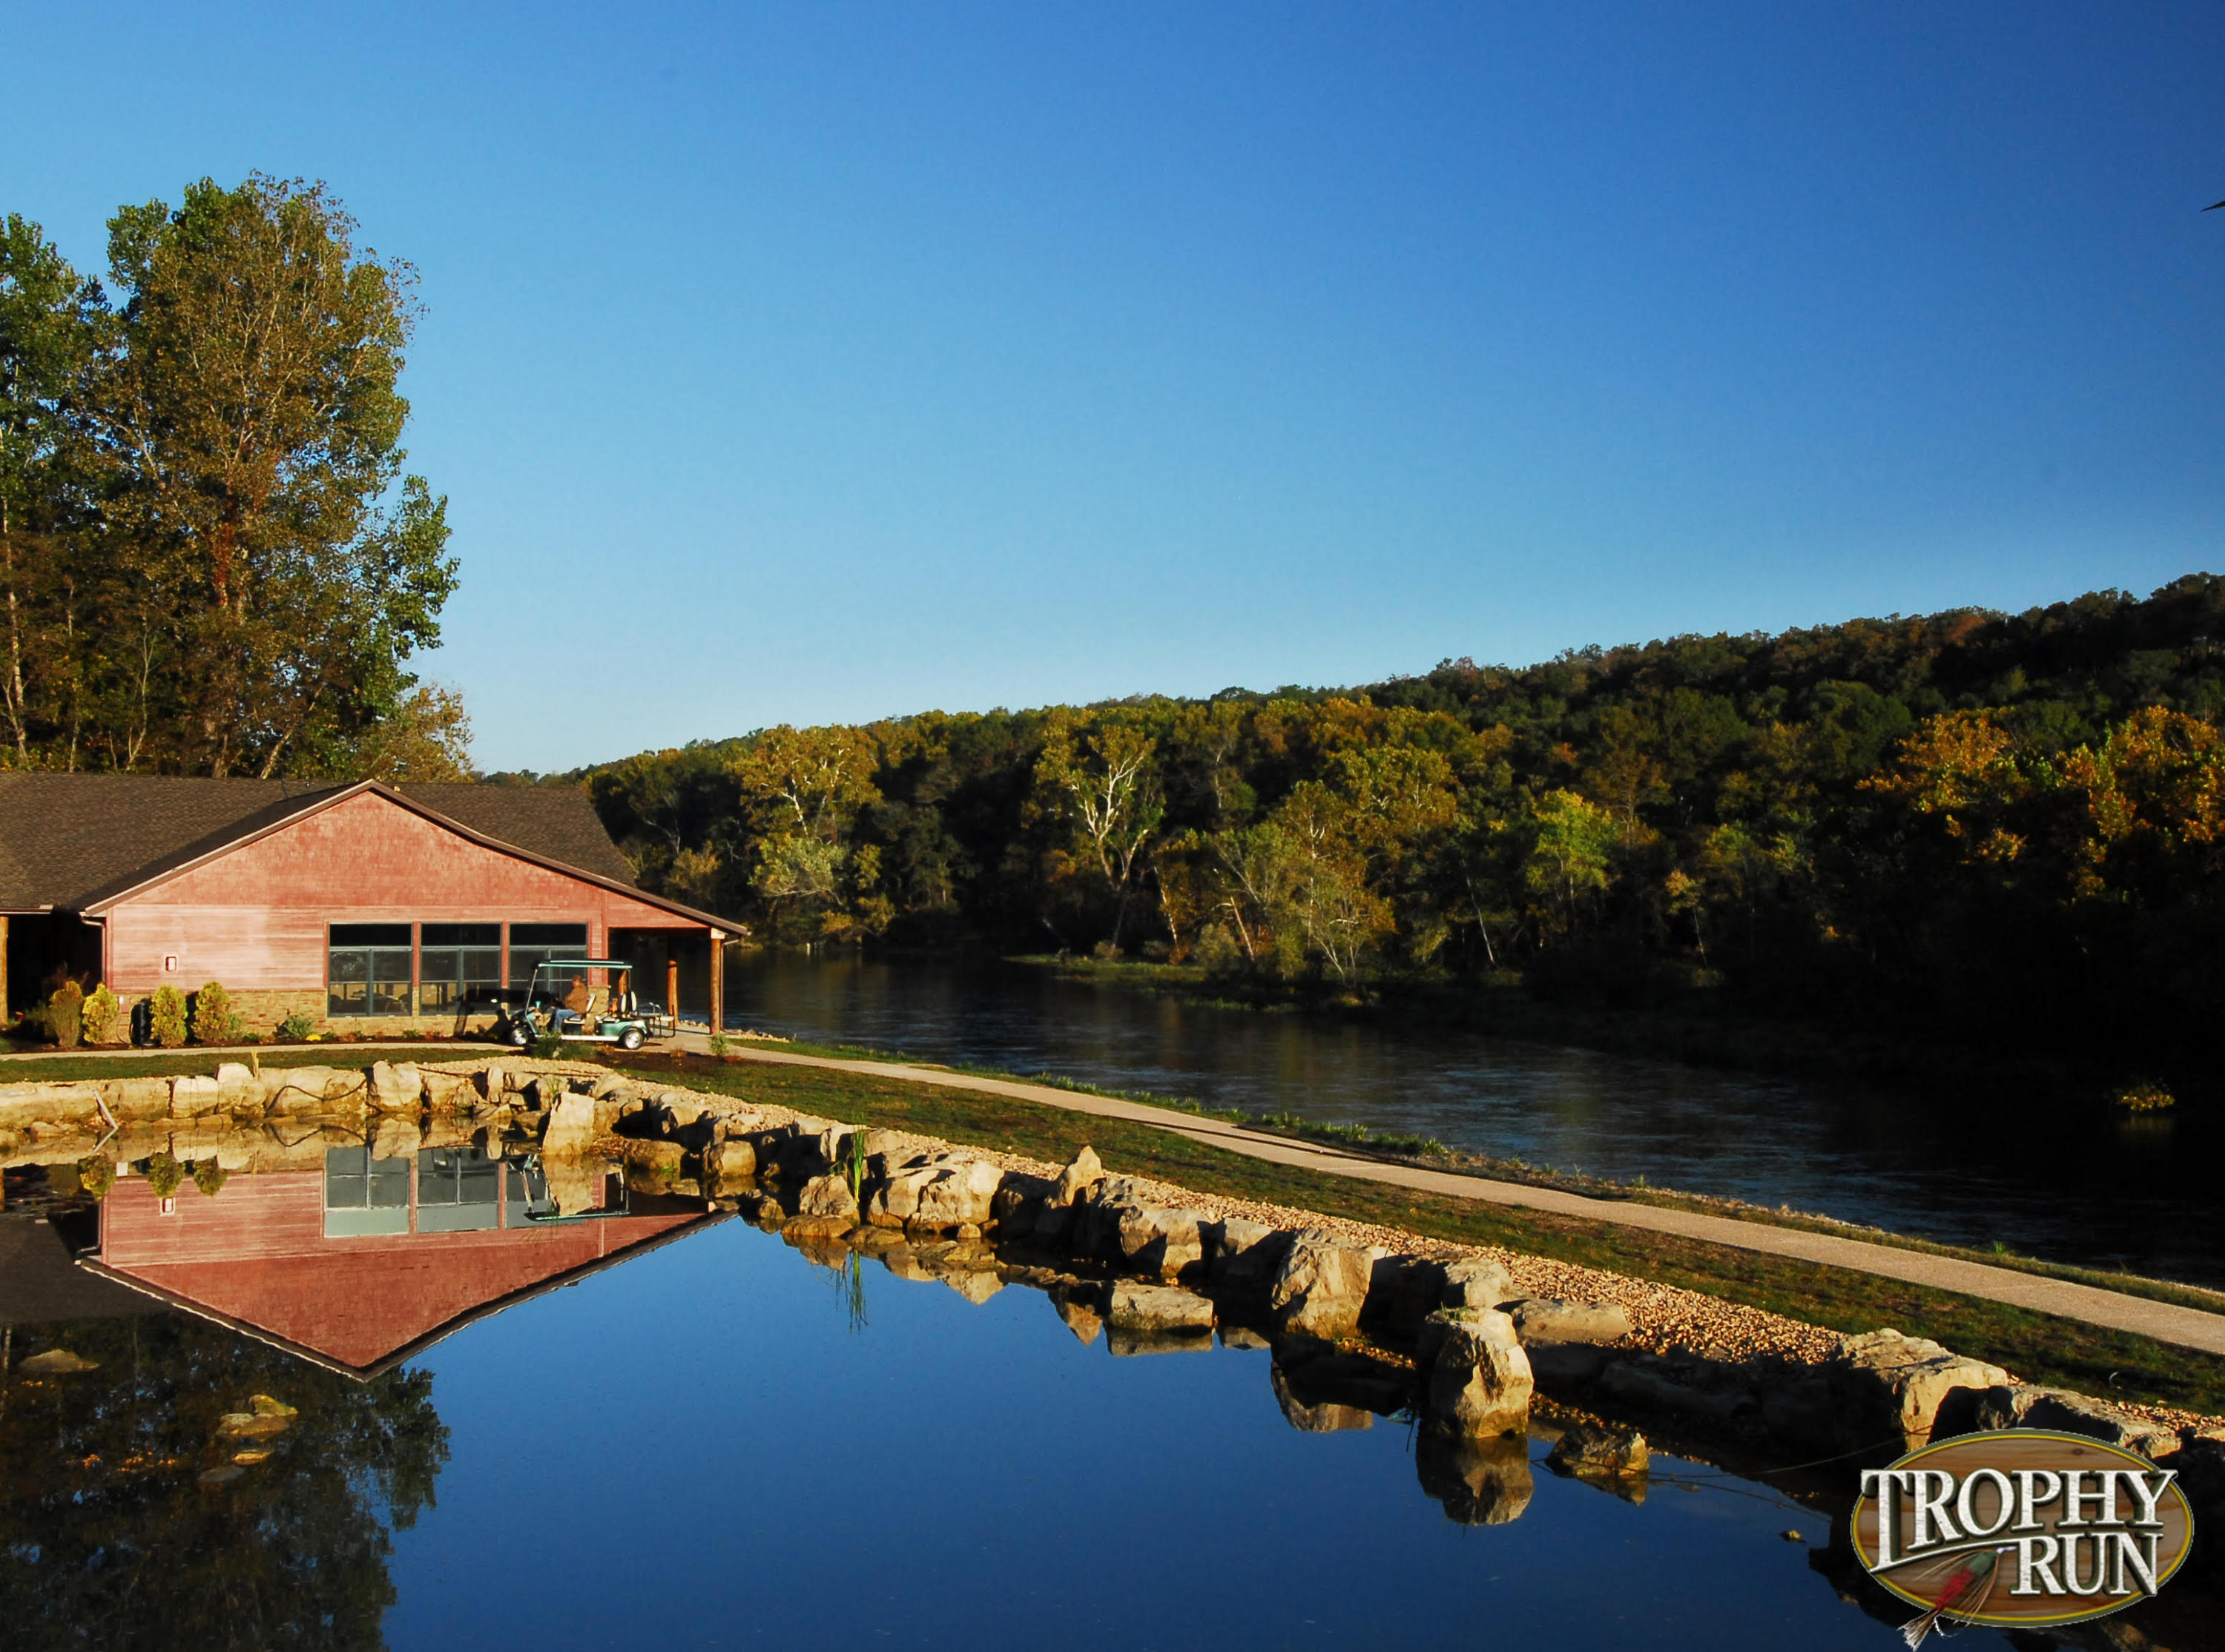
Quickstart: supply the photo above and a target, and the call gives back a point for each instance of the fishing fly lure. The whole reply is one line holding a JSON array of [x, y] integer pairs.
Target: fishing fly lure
[[1964, 1593]]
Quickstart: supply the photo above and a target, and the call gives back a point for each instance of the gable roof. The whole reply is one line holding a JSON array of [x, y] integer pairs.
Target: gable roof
[[74, 842]]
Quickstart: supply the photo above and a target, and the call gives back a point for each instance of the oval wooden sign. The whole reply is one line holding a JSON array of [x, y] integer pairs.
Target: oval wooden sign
[[2022, 1528]]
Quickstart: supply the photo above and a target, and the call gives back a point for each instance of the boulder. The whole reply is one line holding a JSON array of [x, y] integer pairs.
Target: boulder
[[934, 1190], [1885, 1381], [827, 1196], [1550, 1319], [570, 1127], [1560, 1367], [1480, 1382], [727, 1164], [1803, 1415], [297, 1090], [1588, 1449], [1242, 1253], [1018, 1201], [1430, 1335], [191, 1097], [143, 1098], [1647, 1384], [1083, 1174], [1320, 1286], [1476, 1281], [1325, 1417], [396, 1086], [1165, 1308], [1402, 1291], [2021, 1405], [1159, 1239], [1480, 1481], [451, 1093]]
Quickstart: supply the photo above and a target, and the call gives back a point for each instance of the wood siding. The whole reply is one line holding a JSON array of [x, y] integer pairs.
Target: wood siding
[[256, 918]]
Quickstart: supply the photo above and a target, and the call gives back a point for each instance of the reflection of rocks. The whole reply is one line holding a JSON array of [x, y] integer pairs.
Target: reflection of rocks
[[1616, 1459], [57, 1361], [1077, 1317], [1481, 1482], [1324, 1417], [1349, 1379]]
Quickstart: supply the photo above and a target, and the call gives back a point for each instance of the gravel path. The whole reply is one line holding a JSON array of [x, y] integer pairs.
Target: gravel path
[[2168, 1322]]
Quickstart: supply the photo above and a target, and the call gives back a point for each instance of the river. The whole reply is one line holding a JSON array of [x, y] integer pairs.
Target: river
[[2047, 1178]]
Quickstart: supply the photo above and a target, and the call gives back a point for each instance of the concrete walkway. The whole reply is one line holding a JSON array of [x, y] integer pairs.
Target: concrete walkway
[[2184, 1327]]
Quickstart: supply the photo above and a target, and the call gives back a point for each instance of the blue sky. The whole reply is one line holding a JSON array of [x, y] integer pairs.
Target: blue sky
[[825, 362]]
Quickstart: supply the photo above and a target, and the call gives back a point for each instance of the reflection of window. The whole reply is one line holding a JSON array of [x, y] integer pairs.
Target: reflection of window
[[537, 943], [456, 1190], [364, 1195], [459, 965], [367, 970]]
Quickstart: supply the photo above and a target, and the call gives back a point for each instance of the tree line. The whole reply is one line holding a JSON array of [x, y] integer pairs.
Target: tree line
[[1984, 823], [211, 560]]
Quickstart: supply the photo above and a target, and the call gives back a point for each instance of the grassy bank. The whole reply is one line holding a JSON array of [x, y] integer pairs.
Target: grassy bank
[[2039, 1348]]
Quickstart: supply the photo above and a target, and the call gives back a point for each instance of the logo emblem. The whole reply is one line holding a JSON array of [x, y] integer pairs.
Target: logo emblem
[[2021, 1528]]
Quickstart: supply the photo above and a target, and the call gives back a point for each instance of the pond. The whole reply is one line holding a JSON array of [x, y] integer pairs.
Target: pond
[[2046, 1178], [663, 1426]]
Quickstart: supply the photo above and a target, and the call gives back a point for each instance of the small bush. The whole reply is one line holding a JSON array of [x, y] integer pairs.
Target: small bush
[[95, 1174], [66, 1014], [165, 1019], [102, 1017], [209, 1176], [213, 1022], [165, 1175], [2147, 1098], [297, 1027], [719, 1045]]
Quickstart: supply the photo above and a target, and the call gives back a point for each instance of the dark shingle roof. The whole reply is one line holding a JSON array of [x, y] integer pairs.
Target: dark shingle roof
[[70, 840]]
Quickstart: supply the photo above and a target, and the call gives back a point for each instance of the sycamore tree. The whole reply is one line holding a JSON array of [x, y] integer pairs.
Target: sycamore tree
[[801, 791], [1098, 773], [215, 561]]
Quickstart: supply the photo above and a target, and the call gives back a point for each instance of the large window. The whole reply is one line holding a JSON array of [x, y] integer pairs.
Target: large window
[[459, 966], [367, 970], [364, 1195], [537, 943]]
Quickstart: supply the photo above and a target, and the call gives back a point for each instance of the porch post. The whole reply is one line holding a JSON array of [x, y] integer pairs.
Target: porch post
[[718, 982], [672, 986], [3, 968]]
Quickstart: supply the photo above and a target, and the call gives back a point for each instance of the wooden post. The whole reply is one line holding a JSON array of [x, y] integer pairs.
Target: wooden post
[[672, 987], [718, 982], [3, 968]]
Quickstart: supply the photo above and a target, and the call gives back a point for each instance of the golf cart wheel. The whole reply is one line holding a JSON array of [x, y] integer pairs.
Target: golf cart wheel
[[629, 1039], [513, 1034]]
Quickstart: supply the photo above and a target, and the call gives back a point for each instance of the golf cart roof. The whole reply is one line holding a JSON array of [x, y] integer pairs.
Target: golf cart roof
[[583, 964]]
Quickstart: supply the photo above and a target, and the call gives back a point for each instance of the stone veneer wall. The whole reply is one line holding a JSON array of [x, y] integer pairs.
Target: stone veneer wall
[[262, 1012]]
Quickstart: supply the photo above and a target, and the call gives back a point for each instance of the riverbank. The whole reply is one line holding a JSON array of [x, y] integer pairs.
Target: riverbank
[[2043, 1347]]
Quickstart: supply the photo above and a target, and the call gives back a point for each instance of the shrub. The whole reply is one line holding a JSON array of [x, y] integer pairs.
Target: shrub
[[297, 1027], [213, 1022], [165, 1175], [65, 1014], [165, 1019], [95, 1174], [102, 1016], [209, 1176]]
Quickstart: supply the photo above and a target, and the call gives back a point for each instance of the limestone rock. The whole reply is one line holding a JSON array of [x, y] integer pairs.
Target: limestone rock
[[297, 1090], [191, 1098], [570, 1128], [934, 1190], [1588, 1449], [733, 1160], [1476, 1281], [1547, 1319], [1018, 1201], [1323, 1418], [1481, 1482], [149, 1098], [1804, 1414], [1430, 1335], [57, 1361], [1159, 1239], [1241, 1253], [1083, 1174], [1648, 1384], [1480, 1382], [1559, 1367], [1885, 1381], [1402, 1291], [1158, 1307], [396, 1086], [1320, 1286], [827, 1196], [2020, 1405]]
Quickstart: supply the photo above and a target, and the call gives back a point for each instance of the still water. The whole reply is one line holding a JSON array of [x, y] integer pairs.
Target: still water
[[2065, 1181], [667, 1428]]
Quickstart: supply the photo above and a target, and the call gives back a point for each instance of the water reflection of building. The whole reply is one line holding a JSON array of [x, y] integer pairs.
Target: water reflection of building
[[370, 1261]]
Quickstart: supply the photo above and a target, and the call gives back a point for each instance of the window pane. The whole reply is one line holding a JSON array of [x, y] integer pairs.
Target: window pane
[[461, 935], [370, 934], [348, 998], [561, 936], [351, 966], [446, 965]]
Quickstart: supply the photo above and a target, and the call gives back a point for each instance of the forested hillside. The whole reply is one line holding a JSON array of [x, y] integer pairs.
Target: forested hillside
[[1992, 824]]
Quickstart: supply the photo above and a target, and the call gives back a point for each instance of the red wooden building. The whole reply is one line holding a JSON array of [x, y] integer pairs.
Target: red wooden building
[[364, 907]]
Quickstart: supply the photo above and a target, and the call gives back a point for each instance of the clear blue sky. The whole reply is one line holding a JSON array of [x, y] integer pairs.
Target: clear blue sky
[[825, 362]]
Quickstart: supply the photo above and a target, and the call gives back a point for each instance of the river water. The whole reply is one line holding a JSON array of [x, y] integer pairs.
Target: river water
[[667, 1428], [2069, 1182]]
